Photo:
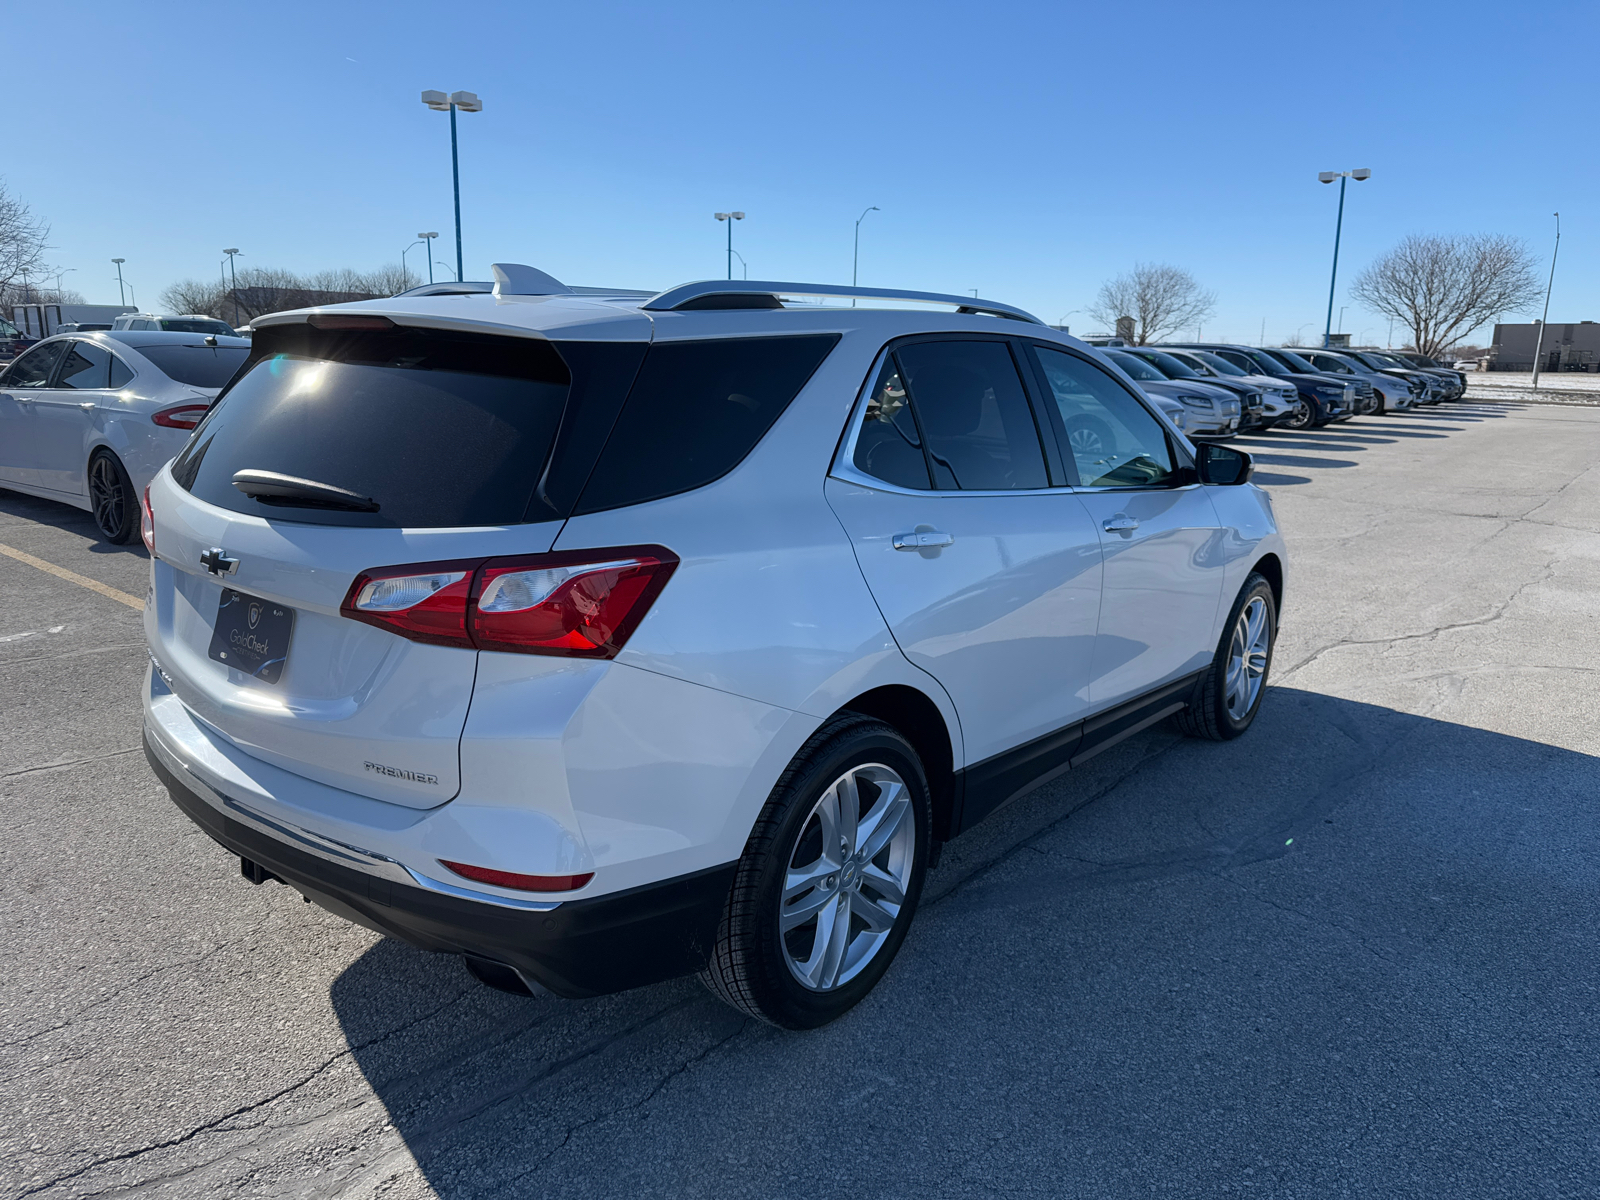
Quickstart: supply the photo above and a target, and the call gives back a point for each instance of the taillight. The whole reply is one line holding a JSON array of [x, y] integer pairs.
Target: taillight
[[147, 522], [426, 602], [180, 416], [581, 604], [522, 883]]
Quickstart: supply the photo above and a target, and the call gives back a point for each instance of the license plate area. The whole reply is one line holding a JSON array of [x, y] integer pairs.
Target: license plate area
[[251, 635]]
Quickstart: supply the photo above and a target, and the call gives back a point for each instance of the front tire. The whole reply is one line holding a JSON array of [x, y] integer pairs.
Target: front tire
[[829, 881], [1230, 693], [1304, 415], [116, 508]]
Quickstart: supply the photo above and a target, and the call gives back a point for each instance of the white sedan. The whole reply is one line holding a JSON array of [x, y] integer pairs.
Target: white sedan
[[89, 418]]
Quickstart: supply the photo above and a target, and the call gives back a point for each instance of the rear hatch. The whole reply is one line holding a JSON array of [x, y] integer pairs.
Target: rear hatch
[[429, 447]]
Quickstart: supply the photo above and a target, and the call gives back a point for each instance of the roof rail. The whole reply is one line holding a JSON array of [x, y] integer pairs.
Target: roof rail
[[740, 292]]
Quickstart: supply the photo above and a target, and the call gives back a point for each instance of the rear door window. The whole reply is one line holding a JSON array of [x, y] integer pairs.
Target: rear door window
[[198, 365], [974, 415], [438, 429], [86, 366], [32, 369], [697, 408]]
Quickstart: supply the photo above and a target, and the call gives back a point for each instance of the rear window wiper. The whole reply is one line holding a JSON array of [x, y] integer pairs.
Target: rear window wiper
[[270, 487]]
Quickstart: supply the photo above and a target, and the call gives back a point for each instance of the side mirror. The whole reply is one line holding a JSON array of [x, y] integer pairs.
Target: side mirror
[[1222, 464]]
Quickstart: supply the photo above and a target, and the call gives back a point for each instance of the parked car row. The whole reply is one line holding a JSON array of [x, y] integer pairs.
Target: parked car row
[[1227, 389]]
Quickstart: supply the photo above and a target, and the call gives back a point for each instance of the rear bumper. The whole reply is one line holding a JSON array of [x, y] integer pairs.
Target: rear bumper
[[576, 948]]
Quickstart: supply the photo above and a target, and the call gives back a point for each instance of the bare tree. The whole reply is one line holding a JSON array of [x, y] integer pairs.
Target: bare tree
[[1161, 300], [23, 240], [1441, 288], [263, 290]]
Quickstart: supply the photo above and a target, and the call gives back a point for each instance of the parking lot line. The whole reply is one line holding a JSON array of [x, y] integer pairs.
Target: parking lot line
[[93, 585]]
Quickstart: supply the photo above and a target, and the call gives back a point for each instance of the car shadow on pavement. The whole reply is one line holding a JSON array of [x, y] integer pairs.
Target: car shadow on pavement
[[65, 517], [1349, 952]]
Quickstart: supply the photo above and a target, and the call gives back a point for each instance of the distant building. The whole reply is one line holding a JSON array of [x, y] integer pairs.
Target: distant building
[[1566, 347]]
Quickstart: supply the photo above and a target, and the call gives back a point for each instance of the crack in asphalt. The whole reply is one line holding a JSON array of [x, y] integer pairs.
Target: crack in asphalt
[[207, 1126], [70, 762]]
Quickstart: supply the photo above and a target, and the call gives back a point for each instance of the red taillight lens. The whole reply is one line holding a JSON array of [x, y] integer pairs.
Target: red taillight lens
[[581, 604], [566, 604], [180, 416], [426, 602], [522, 883], [147, 522]]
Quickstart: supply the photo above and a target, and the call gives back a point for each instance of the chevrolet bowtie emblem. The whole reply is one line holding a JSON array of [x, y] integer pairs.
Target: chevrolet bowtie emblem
[[218, 563]]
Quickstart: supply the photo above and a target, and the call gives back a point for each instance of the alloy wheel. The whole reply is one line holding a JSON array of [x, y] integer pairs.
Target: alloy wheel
[[1087, 442], [1303, 416], [108, 496], [1247, 658], [847, 876]]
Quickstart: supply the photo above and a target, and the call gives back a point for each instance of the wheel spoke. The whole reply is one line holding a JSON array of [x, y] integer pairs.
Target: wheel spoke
[[833, 938], [797, 914], [849, 793], [877, 918], [885, 819], [885, 884]]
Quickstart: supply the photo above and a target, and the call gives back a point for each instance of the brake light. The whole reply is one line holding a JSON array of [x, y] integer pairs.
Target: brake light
[[147, 522], [180, 416], [522, 883], [580, 604]]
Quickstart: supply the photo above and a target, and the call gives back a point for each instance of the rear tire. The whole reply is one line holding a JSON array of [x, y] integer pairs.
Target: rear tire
[[116, 508], [829, 881], [1230, 693]]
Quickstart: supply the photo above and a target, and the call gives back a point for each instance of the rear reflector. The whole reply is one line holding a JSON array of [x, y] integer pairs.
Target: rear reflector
[[180, 416], [338, 320], [578, 604], [522, 883]]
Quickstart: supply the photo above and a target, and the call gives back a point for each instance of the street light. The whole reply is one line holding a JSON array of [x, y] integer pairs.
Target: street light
[[405, 275], [428, 237], [235, 274], [1358, 175], [1062, 323], [1538, 345], [855, 260], [122, 299], [730, 218], [466, 102], [744, 266], [445, 265], [59, 274]]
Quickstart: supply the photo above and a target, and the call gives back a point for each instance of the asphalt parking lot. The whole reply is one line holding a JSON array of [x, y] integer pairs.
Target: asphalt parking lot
[[1352, 954]]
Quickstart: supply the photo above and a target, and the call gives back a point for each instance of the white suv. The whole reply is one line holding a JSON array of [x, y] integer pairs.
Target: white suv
[[599, 637]]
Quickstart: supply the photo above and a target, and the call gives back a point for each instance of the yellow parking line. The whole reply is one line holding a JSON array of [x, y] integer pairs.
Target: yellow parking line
[[94, 585]]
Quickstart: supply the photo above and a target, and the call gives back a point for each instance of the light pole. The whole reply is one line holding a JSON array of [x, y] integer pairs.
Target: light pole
[[1358, 175], [730, 218], [744, 266], [1342, 307], [466, 102], [445, 265], [235, 274], [1538, 345], [428, 237], [1062, 324], [855, 260], [59, 274], [405, 275], [122, 299]]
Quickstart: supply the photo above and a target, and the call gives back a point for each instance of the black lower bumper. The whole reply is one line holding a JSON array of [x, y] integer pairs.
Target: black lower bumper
[[583, 948]]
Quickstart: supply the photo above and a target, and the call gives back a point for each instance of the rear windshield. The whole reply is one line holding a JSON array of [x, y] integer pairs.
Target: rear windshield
[[439, 429], [194, 325], [198, 366], [696, 410]]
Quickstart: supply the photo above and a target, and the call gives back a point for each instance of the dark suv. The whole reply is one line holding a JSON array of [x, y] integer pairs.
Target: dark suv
[[1324, 398]]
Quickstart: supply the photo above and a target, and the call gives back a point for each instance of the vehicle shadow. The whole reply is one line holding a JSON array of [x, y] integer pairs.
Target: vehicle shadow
[[1351, 951], [64, 517]]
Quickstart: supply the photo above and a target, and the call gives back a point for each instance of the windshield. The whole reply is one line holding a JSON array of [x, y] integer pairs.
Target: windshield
[[198, 366], [8, 330], [1292, 360], [1385, 360], [1215, 361], [1136, 367], [195, 325], [1167, 365]]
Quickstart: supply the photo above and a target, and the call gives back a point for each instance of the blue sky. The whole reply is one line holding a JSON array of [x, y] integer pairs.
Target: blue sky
[[1027, 150]]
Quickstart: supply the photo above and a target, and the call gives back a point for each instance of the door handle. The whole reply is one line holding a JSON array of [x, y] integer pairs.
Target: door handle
[[1121, 523], [923, 539], [23, 399], [87, 405]]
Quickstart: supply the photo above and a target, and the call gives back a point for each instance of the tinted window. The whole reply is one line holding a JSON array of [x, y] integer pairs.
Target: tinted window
[[974, 415], [193, 325], [1113, 439], [1329, 364], [86, 366], [33, 368], [889, 447], [1289, 359], [198, 365], [121, 376], [439, 429], [1218, 364], [1262, 361], [695, 411], [1169, 366], [1136, 366]]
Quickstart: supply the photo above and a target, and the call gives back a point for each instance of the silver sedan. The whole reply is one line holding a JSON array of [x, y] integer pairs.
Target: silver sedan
[[89, 418]]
